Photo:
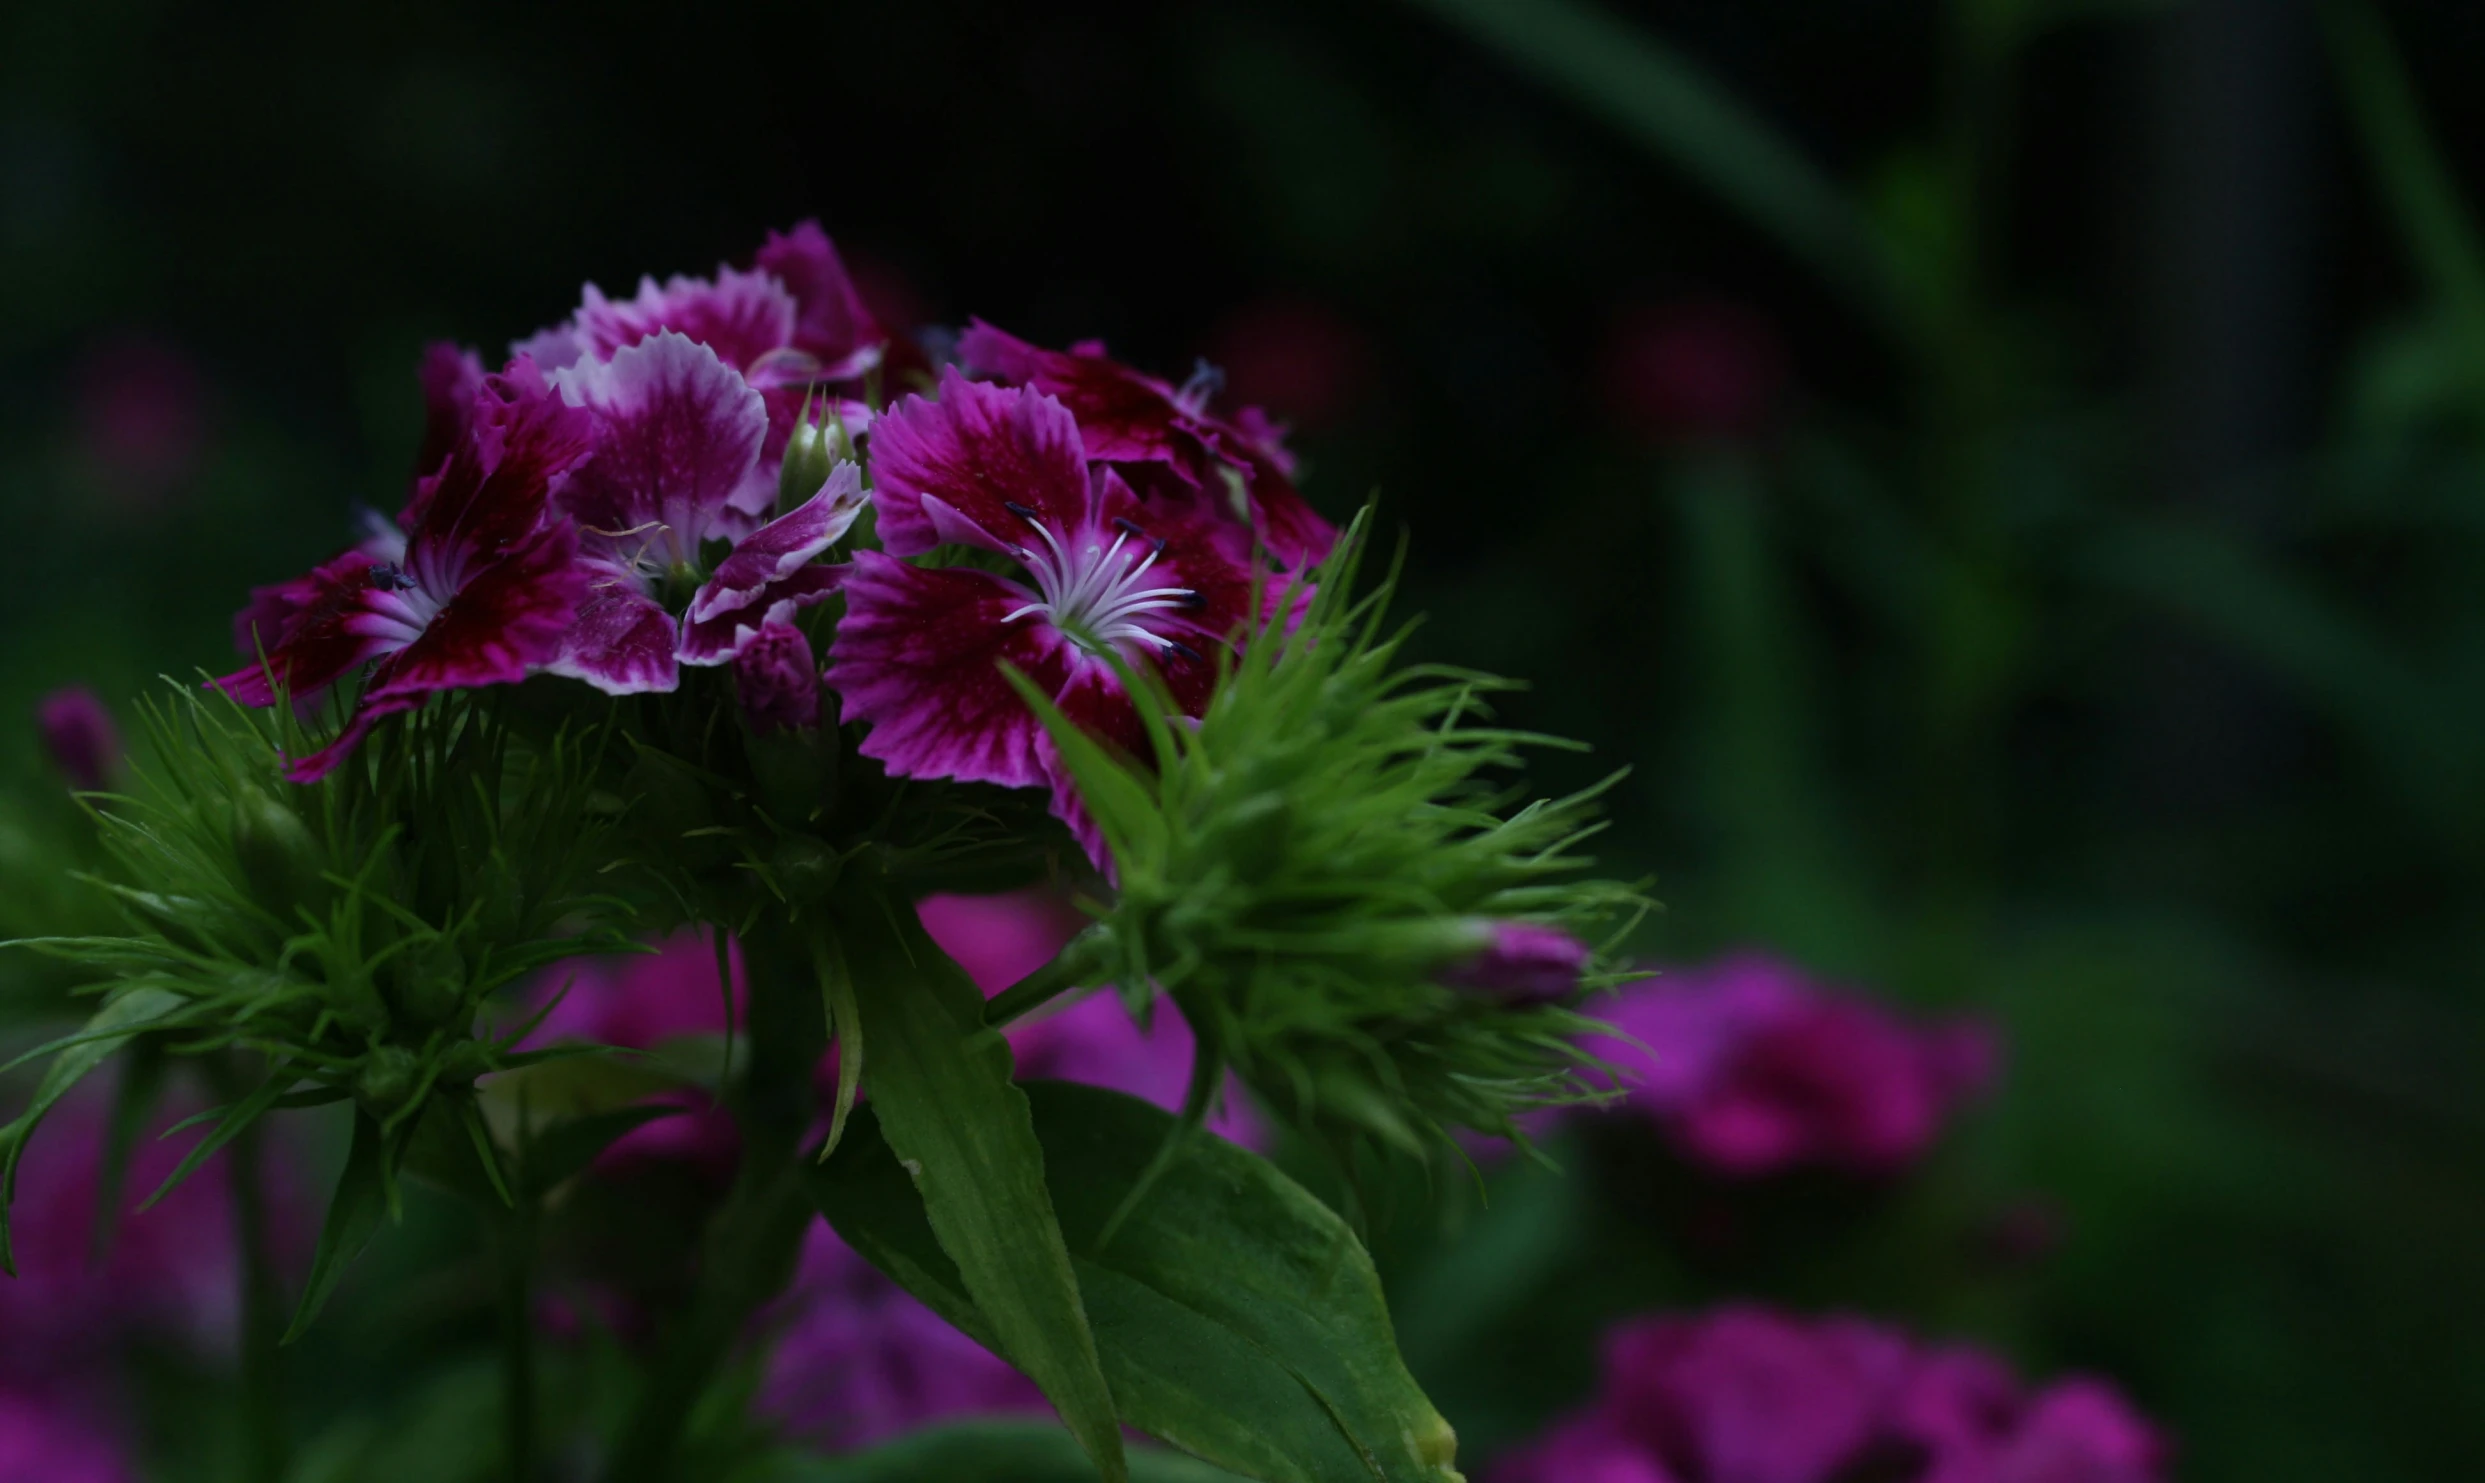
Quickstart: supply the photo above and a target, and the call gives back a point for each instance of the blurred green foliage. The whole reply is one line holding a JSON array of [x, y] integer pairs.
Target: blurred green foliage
[[1938, 672]]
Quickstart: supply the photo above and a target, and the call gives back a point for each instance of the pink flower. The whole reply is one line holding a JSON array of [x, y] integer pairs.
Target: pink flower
[[1751, 1068], [676, 438], [43, 1442], [487, 587], [793, 323], [170, 1272], [1693, 372], [141, 417], [1751, 1395], [919, 652], [1162, 435], [641, 1002], [79, 736], [1521, 963]]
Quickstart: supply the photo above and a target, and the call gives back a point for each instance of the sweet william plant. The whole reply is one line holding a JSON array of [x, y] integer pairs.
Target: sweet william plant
[[718, 607]]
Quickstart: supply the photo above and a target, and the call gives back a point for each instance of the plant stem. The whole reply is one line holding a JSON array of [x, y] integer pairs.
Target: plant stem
[[1077, 962], [265, 1445], [753, 1241], [516, 1231]]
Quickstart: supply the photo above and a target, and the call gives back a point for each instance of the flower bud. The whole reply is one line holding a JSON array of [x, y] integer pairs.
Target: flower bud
[[388, 1077], [278, 857], [812, 451], [79, 735], [778, 680], [1519, 962]]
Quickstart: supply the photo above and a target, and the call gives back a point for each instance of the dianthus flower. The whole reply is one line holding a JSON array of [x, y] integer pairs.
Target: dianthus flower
[[484, 591], [1163, 437], [1752, 1068], [1097, 575], [1749, 1395], [677, 434], [789, 324], [78, 735]]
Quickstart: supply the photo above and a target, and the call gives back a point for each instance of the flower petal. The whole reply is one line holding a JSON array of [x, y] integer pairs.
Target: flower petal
[[729, 632], [452, 377], [495, 490], [677, 435], [507, 618], [918, 656], [318, 642], [831, 323], [1124, 415], [622, 640], [784, 545], [740, 316], [950, 470]]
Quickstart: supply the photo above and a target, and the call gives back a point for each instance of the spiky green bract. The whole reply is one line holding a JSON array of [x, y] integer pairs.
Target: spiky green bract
[[1298, 864], [346, 932]]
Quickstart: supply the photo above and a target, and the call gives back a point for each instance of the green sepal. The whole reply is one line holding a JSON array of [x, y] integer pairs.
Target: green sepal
[[943, 1097], [1237, 1317]]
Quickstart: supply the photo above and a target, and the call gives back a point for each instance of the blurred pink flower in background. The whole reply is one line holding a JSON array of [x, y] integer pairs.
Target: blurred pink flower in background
[[1751, 1067], [42, 1441], [79, 737], [1751, 1395], [642, 1002], [1298, 357], [1692, 371], [169, 1274], [141, 417]]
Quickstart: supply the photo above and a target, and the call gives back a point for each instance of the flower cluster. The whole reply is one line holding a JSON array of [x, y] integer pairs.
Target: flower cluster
[[657, 483], [1748, 1395], [1751, 1068]]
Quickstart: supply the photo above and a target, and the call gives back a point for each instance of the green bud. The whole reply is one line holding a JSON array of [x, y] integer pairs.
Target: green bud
[[812, 451], [430, 984], [387, 1079], [805, 870], [279, 859]]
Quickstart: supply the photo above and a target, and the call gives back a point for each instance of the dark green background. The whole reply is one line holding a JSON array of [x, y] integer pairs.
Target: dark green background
[[2108, 654]]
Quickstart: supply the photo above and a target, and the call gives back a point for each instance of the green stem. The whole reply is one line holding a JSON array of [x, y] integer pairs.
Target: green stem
[[516, 1231], [752, 1243], [265, 1445], [1078, 962]]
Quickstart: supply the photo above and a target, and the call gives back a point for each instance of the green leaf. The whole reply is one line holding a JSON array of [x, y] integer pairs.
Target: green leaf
[[567, 1147], [354, 1212], [943, 1095], [1637, 83], [984, 1452], [106, 1032], [1237, 1316]]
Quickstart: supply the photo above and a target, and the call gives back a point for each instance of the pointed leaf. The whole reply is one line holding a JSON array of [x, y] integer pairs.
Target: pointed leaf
[[984, 1452], [111, 1026], [1238, 1318], [354, 1212], [942, 1092]]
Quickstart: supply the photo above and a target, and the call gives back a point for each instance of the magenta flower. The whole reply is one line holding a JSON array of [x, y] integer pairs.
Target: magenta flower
[[1161, 434], [1748, 1395], [791, 325], [43, 1442], [676, 438], [486, 589], [858, 1359], [1098, 573], [1751, 1068], [79, 736], [1521, 963], [169, 1274]]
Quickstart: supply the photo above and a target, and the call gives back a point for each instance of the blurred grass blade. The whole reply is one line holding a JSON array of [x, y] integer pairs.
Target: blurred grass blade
[[941, 1088], [1635, 82], [2415, 180], [354, 1212]]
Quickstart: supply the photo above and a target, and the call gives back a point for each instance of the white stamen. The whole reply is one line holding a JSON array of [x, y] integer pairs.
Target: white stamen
[[1098, 595]]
